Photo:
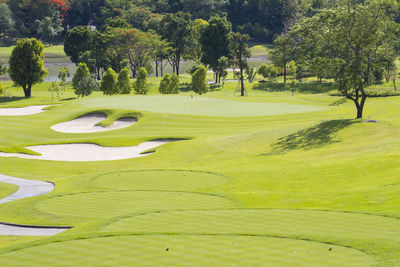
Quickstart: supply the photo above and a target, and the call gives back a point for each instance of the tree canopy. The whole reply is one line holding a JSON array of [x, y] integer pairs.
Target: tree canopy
[[27, 64]]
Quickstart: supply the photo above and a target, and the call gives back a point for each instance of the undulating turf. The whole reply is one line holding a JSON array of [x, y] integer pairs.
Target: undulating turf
[[188, 250], [201, 106], [267, 179]]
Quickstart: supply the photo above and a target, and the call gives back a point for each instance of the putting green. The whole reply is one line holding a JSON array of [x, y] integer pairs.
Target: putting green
[[202, 106], [186, 251], [7, 189], [159, 180], [316, 225], [115, 203]]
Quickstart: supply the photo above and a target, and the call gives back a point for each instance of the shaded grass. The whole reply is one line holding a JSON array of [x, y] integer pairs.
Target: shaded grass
[[314, 137]]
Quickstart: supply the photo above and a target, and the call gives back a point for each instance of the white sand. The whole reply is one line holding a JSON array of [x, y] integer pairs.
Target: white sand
[[22, 111], [87, 152], [27, 188], [87, 124]]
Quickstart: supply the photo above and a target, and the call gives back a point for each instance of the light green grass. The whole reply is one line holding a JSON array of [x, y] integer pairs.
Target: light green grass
[[188, 251], [7, 189], [201, 106], [316, 179], [53, 54]]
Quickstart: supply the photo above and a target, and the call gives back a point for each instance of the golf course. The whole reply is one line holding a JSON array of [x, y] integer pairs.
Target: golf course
[[269, 179]]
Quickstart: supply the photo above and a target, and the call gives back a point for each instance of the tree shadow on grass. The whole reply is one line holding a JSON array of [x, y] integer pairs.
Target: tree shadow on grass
[[339, 102], [314, 137], [6, 99]]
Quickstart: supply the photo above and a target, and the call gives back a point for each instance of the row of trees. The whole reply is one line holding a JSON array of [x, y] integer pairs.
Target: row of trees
[[355, 44], [261, 19], [117, 45]]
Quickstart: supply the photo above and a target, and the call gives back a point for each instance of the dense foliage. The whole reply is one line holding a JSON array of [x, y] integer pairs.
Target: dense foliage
[[27, 64]]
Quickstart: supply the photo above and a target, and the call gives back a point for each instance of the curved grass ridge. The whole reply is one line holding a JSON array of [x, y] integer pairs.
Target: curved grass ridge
[[194, 250], [199, 106]]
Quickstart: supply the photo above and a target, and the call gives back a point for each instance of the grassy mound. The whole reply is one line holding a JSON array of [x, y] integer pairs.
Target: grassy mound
[[188, 251]]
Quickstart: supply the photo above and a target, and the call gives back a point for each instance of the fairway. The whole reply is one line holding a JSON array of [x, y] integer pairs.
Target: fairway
[[265, 189], [199, 106], [189, 250]]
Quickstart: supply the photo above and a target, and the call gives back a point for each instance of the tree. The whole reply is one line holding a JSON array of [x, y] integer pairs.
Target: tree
[[77, 41], [281, 54], [223, 65], [199, 81], [292, 70], [49, 27], [55, 89], [176, 29], [109, 83], [240, 52], [27, 64], [63, 74], [355, 39], [80, 78], [124, 86], [195, 52], [268, 71], [141, 86], [6, 19], [3, 69], [215, 42], [86, 86], [169, 84]]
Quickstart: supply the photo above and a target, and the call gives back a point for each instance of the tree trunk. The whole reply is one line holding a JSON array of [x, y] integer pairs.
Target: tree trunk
[[394, 84], [284, 75], [27, 90], [156, 68], [178, 61], [241, 82], [216, 77], [360, 106]]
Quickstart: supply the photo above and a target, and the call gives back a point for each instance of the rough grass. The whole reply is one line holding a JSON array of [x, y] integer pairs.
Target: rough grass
[[281, 188]]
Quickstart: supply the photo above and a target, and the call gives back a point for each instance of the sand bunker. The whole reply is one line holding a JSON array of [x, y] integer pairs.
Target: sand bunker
[[87, 124], [22, 111], [27, 188], [87, 152]]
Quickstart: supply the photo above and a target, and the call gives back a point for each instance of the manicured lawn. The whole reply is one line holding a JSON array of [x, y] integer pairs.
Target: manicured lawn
[[267, 179], [7, 189]]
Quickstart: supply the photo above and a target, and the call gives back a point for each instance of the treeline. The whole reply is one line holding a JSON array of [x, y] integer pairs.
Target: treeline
[[49, 20]]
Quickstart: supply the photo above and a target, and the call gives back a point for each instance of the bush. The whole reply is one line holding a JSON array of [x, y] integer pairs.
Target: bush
[[109, 83], [87, 85], [199, 81], [2, 89], [124, 86], [169, 84], [141, 86], [81, 72], [83, 82]]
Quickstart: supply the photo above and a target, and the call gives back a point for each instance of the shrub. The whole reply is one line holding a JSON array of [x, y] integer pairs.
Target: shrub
[[199, 81], [169, 84], [141, 86], [109, 83], [124, 86], [81, 72]]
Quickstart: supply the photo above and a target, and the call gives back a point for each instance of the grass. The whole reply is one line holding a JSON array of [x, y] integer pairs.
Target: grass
[[257, 181], [7, 189]]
